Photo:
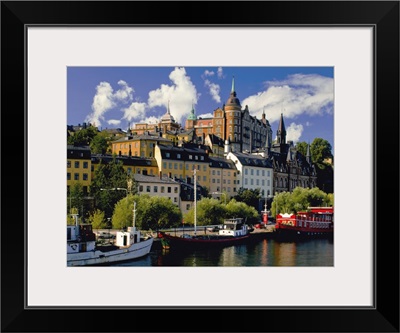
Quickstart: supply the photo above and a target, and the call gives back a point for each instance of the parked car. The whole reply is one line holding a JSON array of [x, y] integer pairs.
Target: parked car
[[105, 235]]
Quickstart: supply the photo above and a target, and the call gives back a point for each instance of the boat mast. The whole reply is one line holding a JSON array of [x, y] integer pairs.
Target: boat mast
[[134, 215], [195, 202]]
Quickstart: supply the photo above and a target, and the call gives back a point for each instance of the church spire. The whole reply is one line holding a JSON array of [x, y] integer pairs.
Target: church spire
[[281, 133], [233, 84], [308, 155]]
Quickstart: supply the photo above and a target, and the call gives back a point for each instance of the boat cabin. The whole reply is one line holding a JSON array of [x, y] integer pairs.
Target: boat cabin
[[126, 238], [234, 227]]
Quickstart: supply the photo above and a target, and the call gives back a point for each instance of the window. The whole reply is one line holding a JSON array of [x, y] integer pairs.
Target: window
[[167, 155], [204, 168], [155, 189], [213, 180], [268, 173], [164, 165], [180, 166], [187, 166], [76, 176], [175, 199], [251, 181], [245, 181], [178, 156], [268, 182], [196, 157], [245, 171], [85, 165], [187, 206], [263, 173], [213, 172], [202, 158], [190, 157], [175, 166], [76, 164], [85, 176], [204, 178], [251, 172], [170, 165], [148, 188], [162, 189], [257, 172], [176, 189], [68, 164], [169, 189], [68, 176], [140, 188]]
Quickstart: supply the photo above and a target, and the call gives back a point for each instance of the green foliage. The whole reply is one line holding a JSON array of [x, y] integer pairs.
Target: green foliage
[[97, 219], [320, 150], [208, 211], [151, 212], [83, 137], [75, 198], [99, 143], [240, 209], [109, 177], [300, 199], [250, 197], [301, 147]]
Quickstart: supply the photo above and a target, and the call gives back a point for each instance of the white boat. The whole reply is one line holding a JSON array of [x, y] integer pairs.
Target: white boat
[[83, 251]]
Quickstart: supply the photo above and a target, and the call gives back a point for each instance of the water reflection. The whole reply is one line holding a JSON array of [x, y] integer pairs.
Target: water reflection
[[265, 252]]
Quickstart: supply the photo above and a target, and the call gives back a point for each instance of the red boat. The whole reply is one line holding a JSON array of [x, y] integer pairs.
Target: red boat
[[233, 231], [315, 222]]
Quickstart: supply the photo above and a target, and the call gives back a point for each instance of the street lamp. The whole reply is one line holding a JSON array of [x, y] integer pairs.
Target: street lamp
[[221, 194]]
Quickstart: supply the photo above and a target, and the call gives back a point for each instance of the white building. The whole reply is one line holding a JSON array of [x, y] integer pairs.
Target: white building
[[254, 171], [159, 186]]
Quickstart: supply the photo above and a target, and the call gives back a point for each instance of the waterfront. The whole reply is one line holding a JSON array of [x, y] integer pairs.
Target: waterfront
[[261, 252]]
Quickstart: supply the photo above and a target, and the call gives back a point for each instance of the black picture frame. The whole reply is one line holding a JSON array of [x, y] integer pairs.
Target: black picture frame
[[382, 317]]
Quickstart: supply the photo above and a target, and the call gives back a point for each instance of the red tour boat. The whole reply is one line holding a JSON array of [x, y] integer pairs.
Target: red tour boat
[[311, 223]]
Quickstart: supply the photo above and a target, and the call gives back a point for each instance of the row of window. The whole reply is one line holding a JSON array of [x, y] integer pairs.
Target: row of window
[[257, 181], [77, 164], [246, 172], [85, 176], [175, 166]]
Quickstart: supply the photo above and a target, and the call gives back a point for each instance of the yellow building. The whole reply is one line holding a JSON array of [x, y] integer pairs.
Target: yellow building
[[223, 178], [179, 163], [78, 167], [132, 165], [138, 145]]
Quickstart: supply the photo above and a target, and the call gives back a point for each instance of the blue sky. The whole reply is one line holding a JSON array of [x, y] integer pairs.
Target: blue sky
[[116, 97]]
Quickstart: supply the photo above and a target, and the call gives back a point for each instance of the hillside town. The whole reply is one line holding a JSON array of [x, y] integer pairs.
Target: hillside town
[[232, 150]]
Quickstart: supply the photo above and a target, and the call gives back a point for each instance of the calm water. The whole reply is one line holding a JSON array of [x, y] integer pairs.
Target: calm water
[[263, 252]]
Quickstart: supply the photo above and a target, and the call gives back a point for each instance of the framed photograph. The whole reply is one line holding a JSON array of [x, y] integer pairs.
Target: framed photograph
[[353, 45]]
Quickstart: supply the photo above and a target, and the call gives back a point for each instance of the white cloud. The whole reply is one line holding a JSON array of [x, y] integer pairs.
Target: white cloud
[[180, 95], [106, 99], [208, 73], [135, 111], [220, 73], [150, 120], [102, 102], [205, 115], [298, 94], [214, 90], [294, 132], [125, 94], [114, 122]]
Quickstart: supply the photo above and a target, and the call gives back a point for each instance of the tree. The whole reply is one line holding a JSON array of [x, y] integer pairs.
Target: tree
[[83, 137], [151, 212], [250, 197], [320, 150], [76, 198], [99, 143], [300, 199], [208, 211], [241, 210], [97, 219], [107, 178], [301, 147]]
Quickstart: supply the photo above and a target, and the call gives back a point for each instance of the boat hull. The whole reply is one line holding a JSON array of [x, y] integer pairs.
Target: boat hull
[[293, 233], [98, 257], [206, 241]]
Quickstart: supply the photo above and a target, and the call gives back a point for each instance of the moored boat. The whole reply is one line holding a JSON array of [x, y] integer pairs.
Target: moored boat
[[315, 222], [82, 249], [233, 231]]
